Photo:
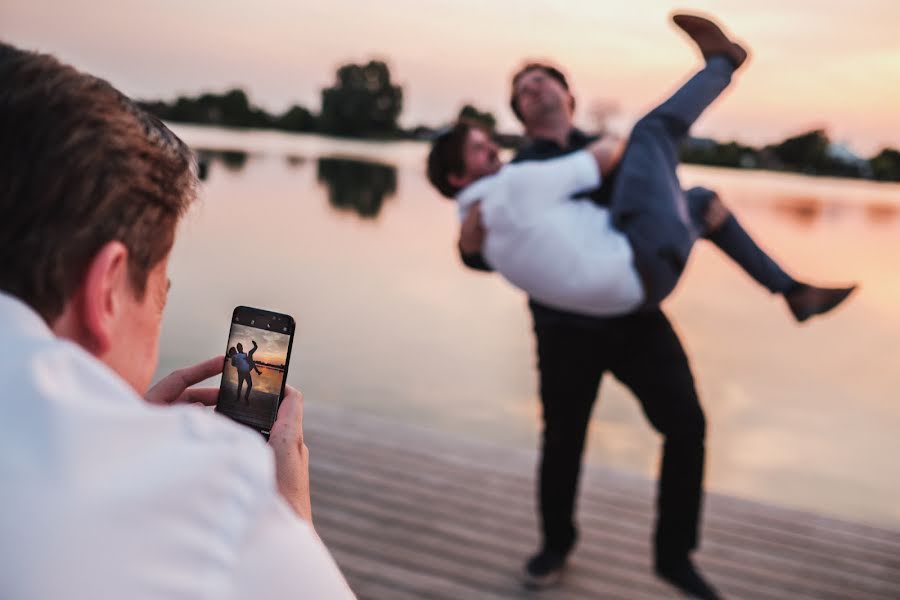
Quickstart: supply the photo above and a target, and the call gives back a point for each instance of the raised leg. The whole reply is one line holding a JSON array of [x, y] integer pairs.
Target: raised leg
[[732, 239], [648, 204], [713, 220]]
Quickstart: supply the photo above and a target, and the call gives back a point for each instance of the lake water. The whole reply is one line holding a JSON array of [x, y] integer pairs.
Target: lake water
[[349, 238]]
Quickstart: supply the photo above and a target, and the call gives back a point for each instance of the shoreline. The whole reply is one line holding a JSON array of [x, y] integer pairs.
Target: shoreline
[[216, 138]]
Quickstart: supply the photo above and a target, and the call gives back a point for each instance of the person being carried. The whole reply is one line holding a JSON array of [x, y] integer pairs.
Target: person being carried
[[597, 260]]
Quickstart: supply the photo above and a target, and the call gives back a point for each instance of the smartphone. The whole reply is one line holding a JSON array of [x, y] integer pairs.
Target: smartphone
[[256, 366]]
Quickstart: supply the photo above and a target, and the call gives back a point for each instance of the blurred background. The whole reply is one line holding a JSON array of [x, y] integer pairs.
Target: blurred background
[[310, 118]]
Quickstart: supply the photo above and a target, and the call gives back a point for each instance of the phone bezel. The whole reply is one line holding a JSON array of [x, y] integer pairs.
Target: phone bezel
[[250, 311]]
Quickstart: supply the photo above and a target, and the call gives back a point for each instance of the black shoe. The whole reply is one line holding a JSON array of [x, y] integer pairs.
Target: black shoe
[[710, 39], [806, 301], [683, 575], [544, 569]]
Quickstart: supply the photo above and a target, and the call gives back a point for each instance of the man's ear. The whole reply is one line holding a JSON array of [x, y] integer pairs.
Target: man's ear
[[97, 305]]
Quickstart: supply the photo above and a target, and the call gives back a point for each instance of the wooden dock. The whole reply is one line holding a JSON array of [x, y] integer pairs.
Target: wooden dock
[[410, 513]]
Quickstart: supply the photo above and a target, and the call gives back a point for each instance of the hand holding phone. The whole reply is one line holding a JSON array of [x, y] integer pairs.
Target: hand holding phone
[[254, 374], [175, 388], [291, 454]]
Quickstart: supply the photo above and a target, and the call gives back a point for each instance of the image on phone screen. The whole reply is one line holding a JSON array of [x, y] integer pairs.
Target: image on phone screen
[[256, 364]]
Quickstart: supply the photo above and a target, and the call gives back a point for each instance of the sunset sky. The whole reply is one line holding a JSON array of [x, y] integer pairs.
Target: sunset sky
[[828, 63], [273, 346]]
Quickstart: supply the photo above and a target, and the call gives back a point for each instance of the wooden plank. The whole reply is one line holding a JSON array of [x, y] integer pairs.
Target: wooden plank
[[407, 581], [811, 536], [472, 549], [619, 557], [431, 515], [823, 567], [464, 453]]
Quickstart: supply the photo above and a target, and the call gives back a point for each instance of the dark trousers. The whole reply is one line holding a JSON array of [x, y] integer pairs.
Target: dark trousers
[[662, 221], [644, 353]]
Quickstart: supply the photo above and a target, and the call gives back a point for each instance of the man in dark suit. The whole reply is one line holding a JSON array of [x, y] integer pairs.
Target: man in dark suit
[[574, 351]]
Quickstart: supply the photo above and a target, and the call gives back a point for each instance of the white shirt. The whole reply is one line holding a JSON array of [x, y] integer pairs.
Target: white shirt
[[241, 362], [563, 252], [103, 495]]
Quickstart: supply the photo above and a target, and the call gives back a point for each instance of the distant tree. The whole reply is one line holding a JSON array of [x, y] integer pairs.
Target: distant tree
[[234, 104], [296, 118], [363, 101], [232, 109], [806, 152], [886, 165], [710, 152], [471, 113]]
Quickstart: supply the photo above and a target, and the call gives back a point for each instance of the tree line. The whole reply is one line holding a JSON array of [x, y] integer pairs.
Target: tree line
[[811, 153], [364, 102]]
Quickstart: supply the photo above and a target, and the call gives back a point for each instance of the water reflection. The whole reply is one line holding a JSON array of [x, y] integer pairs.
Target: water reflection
[[357, 185], [232, 160], [879, 212], [804, 211], [294, 160], [389, 317]]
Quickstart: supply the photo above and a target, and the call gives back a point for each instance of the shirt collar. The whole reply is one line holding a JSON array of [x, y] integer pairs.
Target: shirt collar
[[17, 317], [579, 139]]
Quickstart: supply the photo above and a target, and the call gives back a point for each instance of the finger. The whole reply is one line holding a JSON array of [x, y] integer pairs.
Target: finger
[[205, 396], [170, 388], [196, 373]]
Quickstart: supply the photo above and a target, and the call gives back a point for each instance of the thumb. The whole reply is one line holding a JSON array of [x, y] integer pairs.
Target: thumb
[[288, 427]]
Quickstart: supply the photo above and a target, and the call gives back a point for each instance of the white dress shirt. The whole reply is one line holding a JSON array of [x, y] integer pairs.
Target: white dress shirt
[[563, 252], [103, 495]]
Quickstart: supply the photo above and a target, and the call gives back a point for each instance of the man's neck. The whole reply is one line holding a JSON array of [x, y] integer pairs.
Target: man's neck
[[556, 130]]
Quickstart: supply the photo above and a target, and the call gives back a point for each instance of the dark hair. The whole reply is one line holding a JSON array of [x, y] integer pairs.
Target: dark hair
[[447, 157], [82, 165], [550, 70]]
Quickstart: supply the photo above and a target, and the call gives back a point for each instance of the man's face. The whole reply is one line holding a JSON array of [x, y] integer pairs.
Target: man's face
[[540, 97], [480, 155], [134, 349]]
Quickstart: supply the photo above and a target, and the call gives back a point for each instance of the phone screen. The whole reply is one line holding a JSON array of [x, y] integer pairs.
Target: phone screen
[[256, 365]]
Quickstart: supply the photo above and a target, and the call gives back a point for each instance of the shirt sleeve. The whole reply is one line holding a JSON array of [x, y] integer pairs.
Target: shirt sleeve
[[475, 192], [557, 178], [284, 558]]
